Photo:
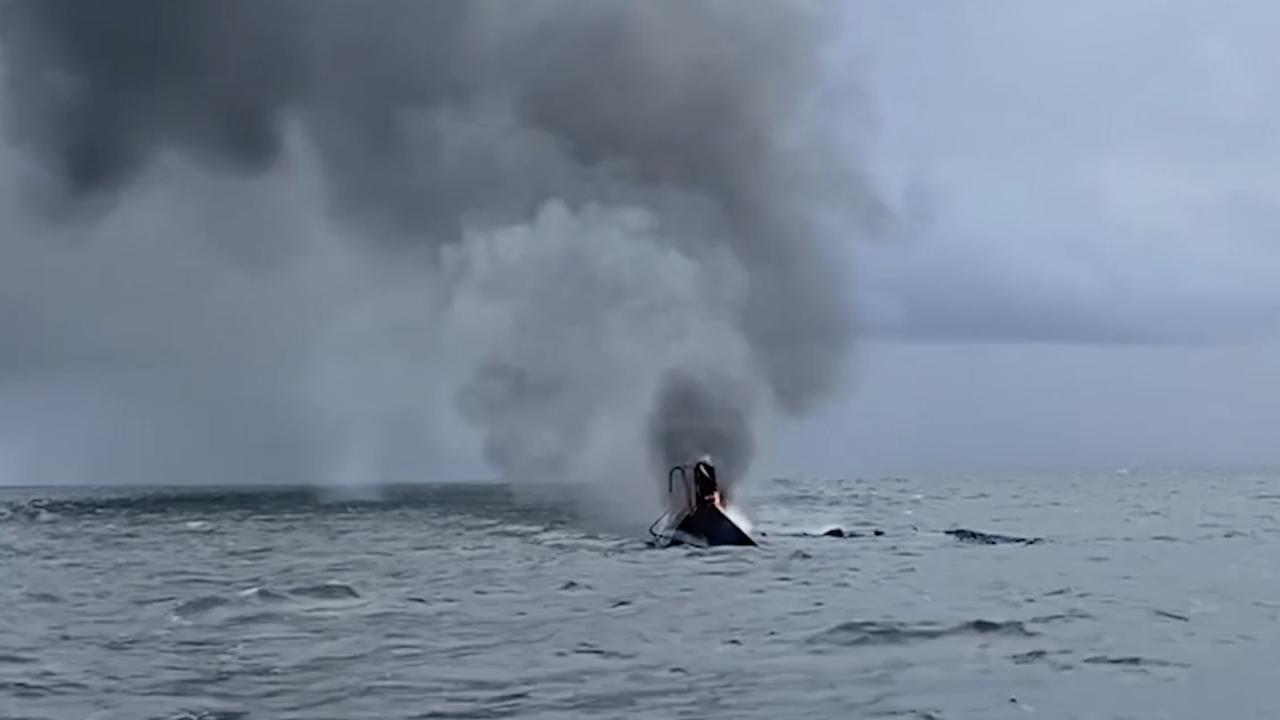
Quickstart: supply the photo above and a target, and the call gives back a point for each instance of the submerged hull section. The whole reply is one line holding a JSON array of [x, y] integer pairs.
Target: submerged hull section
[[707, 526]]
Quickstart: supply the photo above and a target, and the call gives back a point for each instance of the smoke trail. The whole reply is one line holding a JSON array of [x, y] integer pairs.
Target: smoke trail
[[584, 226]]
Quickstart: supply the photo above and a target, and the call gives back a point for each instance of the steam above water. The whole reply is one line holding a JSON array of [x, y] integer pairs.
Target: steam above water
[[283, 239]]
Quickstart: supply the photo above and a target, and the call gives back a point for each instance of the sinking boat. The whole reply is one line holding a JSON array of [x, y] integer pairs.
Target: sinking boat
[[700, 519]]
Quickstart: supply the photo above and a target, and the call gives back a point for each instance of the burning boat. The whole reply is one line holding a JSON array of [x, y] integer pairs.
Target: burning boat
[[697, 515]]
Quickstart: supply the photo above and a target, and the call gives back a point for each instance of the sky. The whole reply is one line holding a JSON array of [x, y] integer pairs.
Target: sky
[[1081, 270], [1087, 276]]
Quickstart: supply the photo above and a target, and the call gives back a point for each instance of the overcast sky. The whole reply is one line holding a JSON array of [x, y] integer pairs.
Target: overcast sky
[[1084, 271], [1091, 274]]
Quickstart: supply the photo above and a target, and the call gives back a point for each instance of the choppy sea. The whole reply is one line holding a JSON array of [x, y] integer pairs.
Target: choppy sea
[[1150, 594]]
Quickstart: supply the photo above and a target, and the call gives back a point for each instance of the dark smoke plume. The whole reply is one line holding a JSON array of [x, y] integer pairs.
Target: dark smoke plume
[[597, 219], [696, 416]]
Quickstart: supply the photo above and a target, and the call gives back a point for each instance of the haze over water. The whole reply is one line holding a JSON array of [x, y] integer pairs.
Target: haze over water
[[1152, 595]]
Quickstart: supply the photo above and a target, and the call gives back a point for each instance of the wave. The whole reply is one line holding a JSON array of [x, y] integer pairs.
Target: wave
[[1135, 661], [984, 538], [326, 591], [252, 599], [89, 502], [862, 632]]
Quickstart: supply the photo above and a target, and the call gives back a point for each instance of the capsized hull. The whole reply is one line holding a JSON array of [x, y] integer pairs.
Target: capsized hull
[[708, 526]]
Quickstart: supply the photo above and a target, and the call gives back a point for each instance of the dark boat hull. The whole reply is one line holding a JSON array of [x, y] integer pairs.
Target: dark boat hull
[[707, 526]]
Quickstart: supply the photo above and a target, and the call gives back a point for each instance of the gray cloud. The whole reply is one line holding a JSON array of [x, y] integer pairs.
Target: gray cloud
[[1095, 173], [1087, 277]]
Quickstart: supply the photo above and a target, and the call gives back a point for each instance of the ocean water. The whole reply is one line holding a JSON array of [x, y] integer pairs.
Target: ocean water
[[1152, 594]]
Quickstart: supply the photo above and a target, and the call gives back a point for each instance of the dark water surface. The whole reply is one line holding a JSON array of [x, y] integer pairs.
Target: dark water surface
[[1154, 595]]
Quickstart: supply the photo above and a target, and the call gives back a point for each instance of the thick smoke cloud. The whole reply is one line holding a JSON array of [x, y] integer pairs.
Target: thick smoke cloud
[[583, 225], [696, 415]]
